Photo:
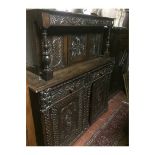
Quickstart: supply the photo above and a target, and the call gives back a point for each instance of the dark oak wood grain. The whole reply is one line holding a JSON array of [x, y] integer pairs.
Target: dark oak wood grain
[[68, 73]]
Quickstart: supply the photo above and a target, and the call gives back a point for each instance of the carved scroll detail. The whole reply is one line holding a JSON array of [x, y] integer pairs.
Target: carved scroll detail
[[56, 51]]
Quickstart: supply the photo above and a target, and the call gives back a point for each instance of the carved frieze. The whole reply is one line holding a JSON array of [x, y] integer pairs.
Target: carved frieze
[[78, 21]]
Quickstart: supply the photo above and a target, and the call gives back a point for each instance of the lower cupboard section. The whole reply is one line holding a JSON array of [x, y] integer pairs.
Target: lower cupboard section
[[63, 112]]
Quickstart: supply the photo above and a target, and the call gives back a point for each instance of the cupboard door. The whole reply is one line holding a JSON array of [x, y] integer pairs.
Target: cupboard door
[[98, 98], [66, 117], [77, 48]]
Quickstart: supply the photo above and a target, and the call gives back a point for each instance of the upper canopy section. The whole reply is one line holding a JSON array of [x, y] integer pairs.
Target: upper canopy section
[[47, 18]]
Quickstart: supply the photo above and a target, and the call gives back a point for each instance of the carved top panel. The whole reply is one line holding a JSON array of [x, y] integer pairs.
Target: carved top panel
[[78, 21], [58, 18]]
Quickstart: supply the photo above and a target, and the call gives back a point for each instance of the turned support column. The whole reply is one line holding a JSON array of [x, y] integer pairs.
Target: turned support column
[[107, 52], [47, 72]]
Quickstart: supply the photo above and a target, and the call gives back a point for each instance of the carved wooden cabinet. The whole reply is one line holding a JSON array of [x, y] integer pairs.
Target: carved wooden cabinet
[[68, 70]]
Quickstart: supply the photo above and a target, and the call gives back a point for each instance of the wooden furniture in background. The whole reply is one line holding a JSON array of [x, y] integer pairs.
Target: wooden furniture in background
[[119, 50]]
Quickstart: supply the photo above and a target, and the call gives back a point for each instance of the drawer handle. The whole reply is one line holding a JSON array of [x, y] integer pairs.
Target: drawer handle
[[70, 90]]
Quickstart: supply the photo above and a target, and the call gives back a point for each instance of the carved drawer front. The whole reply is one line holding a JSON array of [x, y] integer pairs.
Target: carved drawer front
[[98, 97], [65, 119], [99, 72], [50, 95]]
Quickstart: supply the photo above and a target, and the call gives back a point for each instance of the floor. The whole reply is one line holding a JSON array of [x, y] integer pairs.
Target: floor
[[114, 104]]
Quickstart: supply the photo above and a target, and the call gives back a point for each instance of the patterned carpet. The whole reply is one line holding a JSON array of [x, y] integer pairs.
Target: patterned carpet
[[115, 131]]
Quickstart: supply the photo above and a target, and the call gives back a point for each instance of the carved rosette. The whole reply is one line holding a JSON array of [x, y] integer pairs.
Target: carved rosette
[[47, 73]]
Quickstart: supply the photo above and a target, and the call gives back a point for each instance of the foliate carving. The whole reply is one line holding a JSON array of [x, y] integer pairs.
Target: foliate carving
[[101, 72], [56, 51], [55, 131], [65, 108], [68, 121], [47, 73], [78, 21], [67, 88], [50, 95], [46, 124], [86, 108], [78, 45], [45, 98], [66, 116]]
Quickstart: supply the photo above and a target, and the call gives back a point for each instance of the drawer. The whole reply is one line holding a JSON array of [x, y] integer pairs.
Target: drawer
[[51, 95], [102, 71]]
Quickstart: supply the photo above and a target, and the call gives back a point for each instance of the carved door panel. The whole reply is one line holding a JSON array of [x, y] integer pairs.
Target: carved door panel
[[98, 97], [67, 118], [57, 48], [77, 48], [94, 43]]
